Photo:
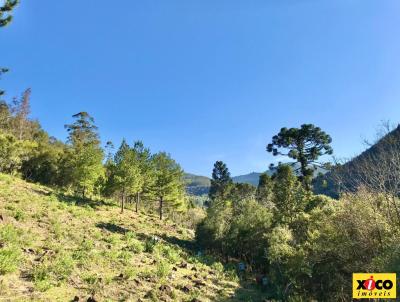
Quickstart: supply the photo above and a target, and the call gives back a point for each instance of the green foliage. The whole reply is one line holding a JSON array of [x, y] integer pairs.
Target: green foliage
[[236, 229], [168, 186], [305, 145], [220, 181], [86, 165], [10, 258], [307, 245], [10, 253], [163, 268], [44, 162], [289, 197], [13, 152], [5, 11], [126, 176], [133, 245], [264, 193], [170, 253]]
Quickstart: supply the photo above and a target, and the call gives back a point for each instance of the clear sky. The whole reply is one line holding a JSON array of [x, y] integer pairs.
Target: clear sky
[[208, 80]]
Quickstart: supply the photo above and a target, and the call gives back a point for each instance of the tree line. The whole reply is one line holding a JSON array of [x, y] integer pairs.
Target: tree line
[[81, 165]]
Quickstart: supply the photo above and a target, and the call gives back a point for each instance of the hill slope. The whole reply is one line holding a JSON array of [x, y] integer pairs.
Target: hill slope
[[197, 185], [251, 178], [377, 168], [54, 247]]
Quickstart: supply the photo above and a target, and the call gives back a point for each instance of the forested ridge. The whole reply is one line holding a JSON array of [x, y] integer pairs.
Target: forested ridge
[[99, 220]]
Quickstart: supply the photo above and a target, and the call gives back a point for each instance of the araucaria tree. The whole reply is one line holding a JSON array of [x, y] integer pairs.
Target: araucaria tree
[[168, 186], [86, 161], [305, 145], [220, 182]]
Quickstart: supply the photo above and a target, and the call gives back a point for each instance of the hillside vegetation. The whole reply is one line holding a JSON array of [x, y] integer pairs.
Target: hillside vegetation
[[377, 168], [54, 247]]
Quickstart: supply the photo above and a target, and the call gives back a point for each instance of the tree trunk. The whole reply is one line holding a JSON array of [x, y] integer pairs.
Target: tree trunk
[[161, 208], [137, 202], [122, 202]]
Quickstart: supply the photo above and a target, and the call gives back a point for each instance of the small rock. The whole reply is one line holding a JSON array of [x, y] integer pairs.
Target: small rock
[[165, 288], [198, 283], [183, 265], [186, 288]]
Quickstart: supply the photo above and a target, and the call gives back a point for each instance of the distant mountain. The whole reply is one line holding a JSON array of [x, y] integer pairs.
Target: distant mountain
[[251, 178], [197, 185], [200, 185]]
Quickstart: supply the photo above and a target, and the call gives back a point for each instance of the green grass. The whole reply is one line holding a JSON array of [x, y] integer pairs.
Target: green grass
[[53, 247]]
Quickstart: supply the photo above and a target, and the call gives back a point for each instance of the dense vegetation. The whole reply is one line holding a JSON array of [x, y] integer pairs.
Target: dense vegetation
[[303, 246], [68, 238]]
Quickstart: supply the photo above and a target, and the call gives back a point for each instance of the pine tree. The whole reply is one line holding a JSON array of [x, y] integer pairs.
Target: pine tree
[[127, 179], [86, 154], [221, 181], [168, 186], [143, 157]]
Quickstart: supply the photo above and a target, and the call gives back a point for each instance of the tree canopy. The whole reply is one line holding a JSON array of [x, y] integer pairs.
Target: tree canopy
[[305, 145]]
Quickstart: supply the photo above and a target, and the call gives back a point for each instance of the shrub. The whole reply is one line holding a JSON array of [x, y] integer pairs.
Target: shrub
[[10, 258], [149, 245], [168, 252], [133, 244], [163, 269], [9, 235]]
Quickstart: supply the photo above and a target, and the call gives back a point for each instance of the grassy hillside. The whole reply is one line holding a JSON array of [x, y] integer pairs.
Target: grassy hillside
[[54, 247]]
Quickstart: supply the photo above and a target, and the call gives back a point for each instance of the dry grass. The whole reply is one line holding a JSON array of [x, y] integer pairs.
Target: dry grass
[[54, 247]]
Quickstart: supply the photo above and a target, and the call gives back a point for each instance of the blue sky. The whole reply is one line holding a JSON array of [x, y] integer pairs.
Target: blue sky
[[209, 80]]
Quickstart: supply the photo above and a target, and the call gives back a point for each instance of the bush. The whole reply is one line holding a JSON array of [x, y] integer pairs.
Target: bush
[[163, 269], [9, 235], [134, 245], [10, 258], [168, 252]]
